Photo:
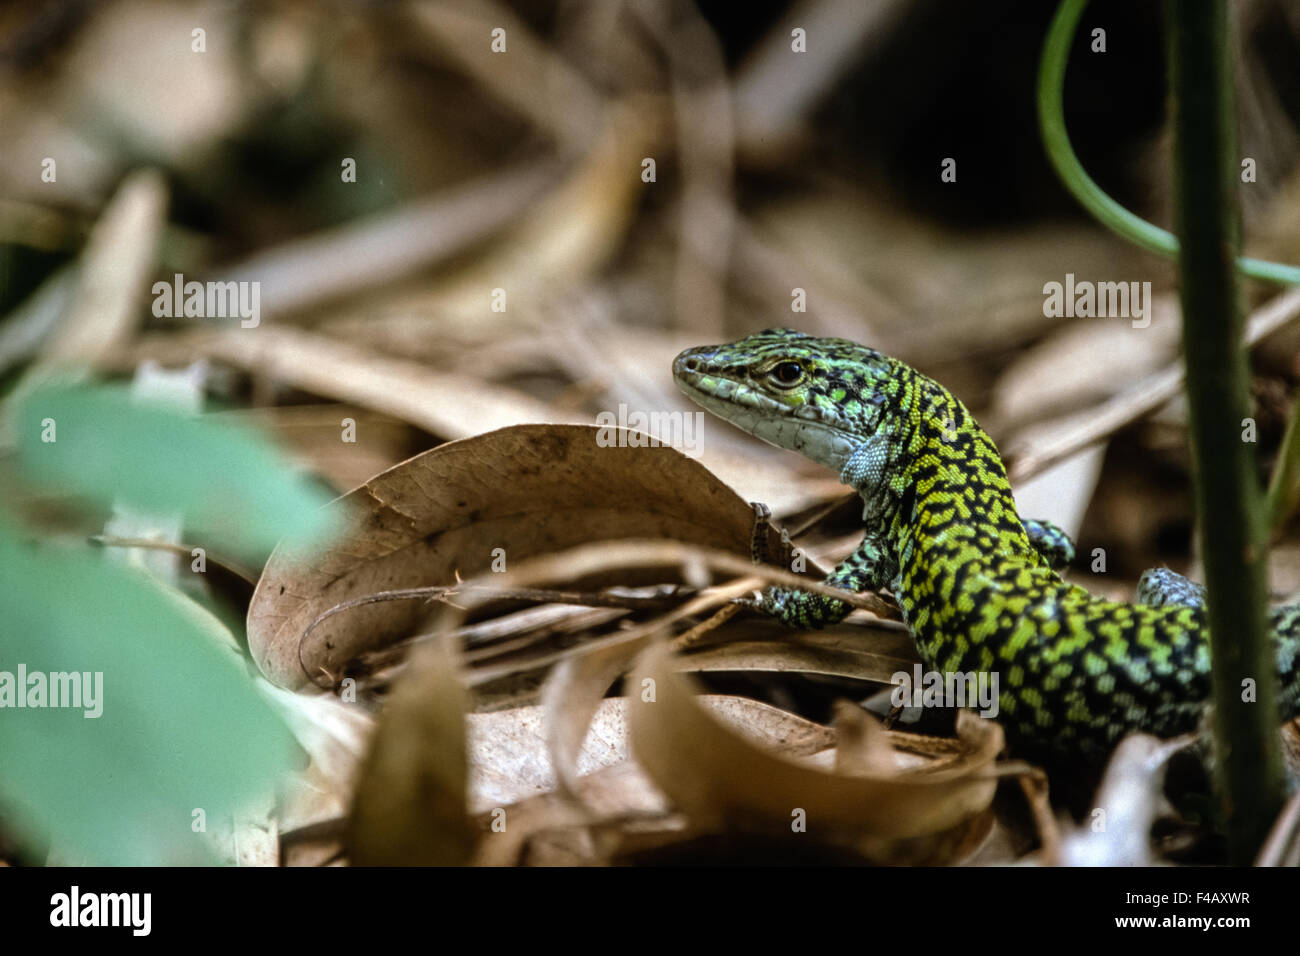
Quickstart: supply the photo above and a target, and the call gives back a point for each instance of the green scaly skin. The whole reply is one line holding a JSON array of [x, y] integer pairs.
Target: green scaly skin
[[977, 584]]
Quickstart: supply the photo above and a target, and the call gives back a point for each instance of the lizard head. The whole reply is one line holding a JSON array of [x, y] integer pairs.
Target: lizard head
[[819, 396]]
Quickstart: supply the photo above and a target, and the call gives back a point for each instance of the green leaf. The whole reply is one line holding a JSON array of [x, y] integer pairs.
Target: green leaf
[[231, 485], [181, 726]]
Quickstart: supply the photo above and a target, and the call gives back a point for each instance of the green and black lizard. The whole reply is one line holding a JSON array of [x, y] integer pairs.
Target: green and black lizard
[[978, 585]]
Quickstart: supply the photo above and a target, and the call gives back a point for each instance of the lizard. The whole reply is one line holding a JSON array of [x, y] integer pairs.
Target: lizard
[[978, 586]]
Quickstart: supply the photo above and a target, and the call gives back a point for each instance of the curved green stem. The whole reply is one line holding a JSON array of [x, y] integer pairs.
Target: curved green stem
[[1051, 120]]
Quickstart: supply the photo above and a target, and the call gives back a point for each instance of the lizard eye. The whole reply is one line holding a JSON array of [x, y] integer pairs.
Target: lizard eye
[[787, 373]]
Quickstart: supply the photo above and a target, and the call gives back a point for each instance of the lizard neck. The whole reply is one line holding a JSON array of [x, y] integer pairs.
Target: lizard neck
[[941, 498]]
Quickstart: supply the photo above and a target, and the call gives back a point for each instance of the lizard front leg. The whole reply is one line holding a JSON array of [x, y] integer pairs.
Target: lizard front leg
[[868, 568]]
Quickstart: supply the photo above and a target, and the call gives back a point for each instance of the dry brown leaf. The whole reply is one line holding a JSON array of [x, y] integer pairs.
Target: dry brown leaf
[[777, 731], [616, 801], [574, 693], [1063, 492], [1079, 431], [571, 699], [1117, 832], [529, 489], [388, 246], [720, 779], [511, 844], [119, 257], [537, 83], [978, 286], [446, 404], [863, 748], [773, 102], [509, 758], [599, 561], [107, 92], [1086, 362], [627, 367], [409, 808], [32, 321], [555, 248], [842, 650], [204, 97]]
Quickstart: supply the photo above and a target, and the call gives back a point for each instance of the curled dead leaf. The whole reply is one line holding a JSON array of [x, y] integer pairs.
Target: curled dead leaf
[[837, 651], [506, 496], [409, 808], [722, 780]]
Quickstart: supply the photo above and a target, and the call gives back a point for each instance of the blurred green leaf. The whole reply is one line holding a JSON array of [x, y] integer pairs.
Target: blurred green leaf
[[227, 482], [182, 726]]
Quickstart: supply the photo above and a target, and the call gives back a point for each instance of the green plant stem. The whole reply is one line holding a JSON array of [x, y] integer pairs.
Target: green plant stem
[[1228, 496], [1051, 120], [1284, 486]]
